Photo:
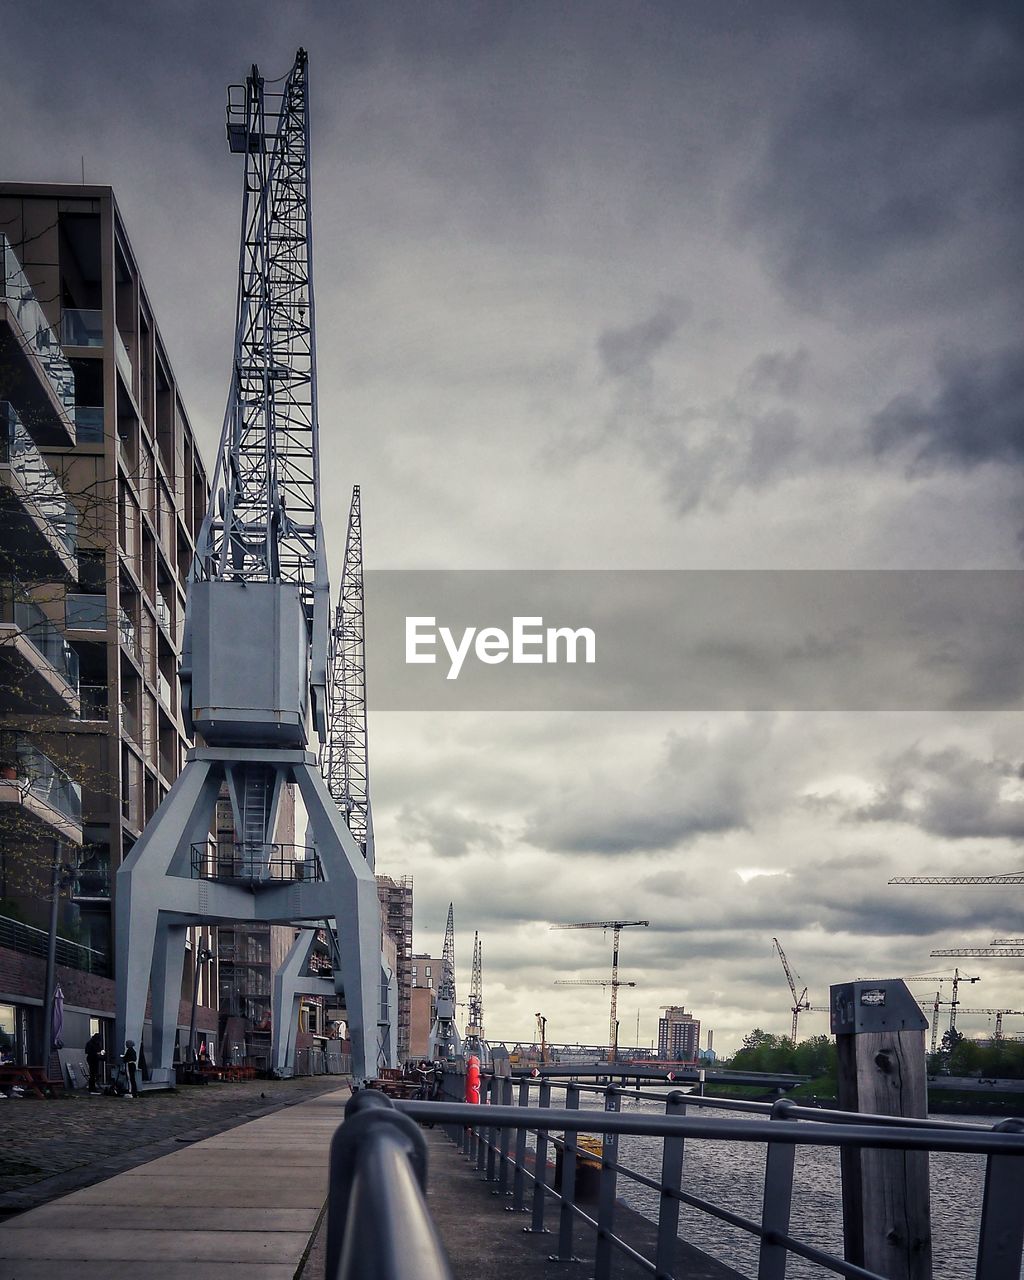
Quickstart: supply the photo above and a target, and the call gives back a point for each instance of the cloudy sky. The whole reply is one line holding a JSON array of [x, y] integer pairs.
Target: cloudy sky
[[628, 286]]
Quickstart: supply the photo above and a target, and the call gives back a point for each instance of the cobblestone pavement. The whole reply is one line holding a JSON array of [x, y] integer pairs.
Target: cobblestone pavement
[[53, 1146]]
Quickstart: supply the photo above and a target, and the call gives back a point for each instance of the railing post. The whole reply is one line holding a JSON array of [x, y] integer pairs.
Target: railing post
[[481, 1130], [1001, 1240], [540, 1165], [503, 1139], [519, 1178], [567, 1187], [606, 1190], [671, 1179], [879, 1030], [492, 1133], [777, 1201]]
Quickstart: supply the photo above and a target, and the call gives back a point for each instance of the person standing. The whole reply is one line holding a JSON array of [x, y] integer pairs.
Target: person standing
[[94, 1051], [131, 1060]]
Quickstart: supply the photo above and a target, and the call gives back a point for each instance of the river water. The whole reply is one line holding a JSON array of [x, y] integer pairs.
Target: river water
[[731, 1175]]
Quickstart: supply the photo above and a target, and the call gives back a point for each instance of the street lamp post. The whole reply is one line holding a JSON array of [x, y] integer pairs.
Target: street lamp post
[[202, 955], [61, 876]]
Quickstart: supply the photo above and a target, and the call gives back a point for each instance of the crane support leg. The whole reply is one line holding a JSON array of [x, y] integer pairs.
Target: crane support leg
[[351, 898], [165, 885], [168, 964], [291, 983], [387, 1029], [162, 852]]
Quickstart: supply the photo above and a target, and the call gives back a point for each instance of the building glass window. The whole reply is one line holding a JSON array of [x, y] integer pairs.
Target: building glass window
[[8, 1033]]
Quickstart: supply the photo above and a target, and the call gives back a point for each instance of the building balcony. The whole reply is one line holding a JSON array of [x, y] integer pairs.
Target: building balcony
[[37, 374], [17, 936], [92, 881], [89, 423], [165, 691], [38, 668], [85, 611], [128, 721], [40, 524], [81, 328], [95, 701], [268, 864], [45, 793]]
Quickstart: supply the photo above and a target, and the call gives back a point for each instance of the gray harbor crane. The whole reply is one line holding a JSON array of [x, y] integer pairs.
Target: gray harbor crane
[[445, 1043], [257, 623]]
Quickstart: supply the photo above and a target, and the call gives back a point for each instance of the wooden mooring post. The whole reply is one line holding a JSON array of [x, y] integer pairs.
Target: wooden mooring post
[[879, 1030]]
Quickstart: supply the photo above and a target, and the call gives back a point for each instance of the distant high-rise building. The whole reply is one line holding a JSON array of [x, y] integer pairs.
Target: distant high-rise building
[[678, 1035]]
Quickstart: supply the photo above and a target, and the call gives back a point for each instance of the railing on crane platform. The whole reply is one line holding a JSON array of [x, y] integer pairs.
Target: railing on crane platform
[[524, 1183], [250, 861]]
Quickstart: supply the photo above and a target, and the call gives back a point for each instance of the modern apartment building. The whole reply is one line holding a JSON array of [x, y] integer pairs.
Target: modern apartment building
[[678, 1035], [103, 491]]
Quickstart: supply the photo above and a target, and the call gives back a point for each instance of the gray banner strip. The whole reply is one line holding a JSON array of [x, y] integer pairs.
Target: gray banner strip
[[696, 640]]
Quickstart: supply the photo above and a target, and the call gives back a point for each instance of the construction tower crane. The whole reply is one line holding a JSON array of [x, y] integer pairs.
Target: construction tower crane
[[800, 1002], [600, 982], [616, 927], [956, 977], [1002, 948], [445, 1043], [473, 1041], [257, 621], [998, 1014]]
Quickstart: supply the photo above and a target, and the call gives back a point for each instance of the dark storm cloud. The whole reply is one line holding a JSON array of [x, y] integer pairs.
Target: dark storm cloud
[[975, 416], [627, 352], [705, 452], [781, 372], [700, 787], [951, 794], [903, 136], [447, 833]]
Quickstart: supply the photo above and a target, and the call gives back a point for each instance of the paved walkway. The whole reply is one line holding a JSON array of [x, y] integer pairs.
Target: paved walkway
[[242, 1203], [55, 1146]]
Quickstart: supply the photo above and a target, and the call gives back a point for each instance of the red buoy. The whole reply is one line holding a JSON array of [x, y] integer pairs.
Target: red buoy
[[473, 1079]]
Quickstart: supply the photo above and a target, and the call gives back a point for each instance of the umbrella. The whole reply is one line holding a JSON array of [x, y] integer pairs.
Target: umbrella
[[58, 1017]]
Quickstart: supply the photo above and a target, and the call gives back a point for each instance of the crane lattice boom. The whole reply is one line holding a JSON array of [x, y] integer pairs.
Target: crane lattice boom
[[345, 756], [980, 952]]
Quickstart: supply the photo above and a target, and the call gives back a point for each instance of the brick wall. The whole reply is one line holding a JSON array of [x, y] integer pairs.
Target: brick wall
[[22, 978]]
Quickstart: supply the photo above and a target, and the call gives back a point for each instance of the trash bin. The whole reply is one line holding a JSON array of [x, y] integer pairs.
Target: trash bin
[[588, 1166]]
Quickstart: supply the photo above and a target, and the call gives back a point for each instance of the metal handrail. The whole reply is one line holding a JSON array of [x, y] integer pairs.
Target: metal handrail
[[31, 941], [782, 1106], [378, 1224], [266, 862], [483, 1134], [868, 1134]]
